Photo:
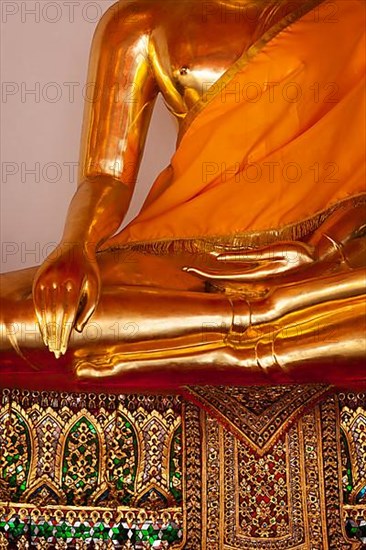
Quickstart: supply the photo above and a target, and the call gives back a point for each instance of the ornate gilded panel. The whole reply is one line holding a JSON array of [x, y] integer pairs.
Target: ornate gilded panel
[[159, 472], [353, 452], [81, 469], [18, 451]]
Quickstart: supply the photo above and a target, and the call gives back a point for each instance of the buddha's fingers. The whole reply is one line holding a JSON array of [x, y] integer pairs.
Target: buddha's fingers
[[68, 318], [211, 275], [89, 299], [52, 314], [255, 272], [293, 253], [59, 320], [55, 311]]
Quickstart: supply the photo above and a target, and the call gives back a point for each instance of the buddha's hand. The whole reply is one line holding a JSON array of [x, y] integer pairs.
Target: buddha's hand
[[257, 264], [66, 290]]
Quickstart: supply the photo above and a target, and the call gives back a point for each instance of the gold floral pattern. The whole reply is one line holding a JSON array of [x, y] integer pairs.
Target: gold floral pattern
[[257, 415], [156, 472]]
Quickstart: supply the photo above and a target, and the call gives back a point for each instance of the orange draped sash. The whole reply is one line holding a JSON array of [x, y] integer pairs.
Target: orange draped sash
[[276, 144]]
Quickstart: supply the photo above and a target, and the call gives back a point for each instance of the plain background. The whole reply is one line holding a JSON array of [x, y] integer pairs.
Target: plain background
[[45, 48]]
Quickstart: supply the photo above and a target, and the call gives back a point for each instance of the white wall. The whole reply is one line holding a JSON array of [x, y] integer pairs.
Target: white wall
[[45, 48]]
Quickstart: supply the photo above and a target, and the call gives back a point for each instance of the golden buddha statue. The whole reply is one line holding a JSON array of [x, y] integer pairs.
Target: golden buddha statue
[[246, 262]]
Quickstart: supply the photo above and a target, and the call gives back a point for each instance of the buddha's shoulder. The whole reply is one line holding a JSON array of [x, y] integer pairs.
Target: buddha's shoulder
[[151, 7], [157, 12], [161, 13]]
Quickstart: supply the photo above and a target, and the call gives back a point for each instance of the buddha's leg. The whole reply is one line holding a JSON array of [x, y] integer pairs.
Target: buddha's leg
[[20, 337], [127, 318], [301, 294], [297, 320], [141, 329], [324, 343]]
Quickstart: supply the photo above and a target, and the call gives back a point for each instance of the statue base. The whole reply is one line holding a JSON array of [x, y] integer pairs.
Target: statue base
[[214, 468]]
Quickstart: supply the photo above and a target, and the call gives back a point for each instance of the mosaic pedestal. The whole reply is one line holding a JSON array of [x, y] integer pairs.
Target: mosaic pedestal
[[216, 468]]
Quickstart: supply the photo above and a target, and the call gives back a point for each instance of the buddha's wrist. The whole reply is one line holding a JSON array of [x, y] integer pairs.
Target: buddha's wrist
[[77, 247]]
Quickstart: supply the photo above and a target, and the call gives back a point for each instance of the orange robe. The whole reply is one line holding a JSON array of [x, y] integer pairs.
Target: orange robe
[[275, 145]]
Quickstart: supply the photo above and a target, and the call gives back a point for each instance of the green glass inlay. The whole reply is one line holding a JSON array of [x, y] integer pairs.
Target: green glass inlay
[[100, 531], [15, 456], [123, 459], [347, 470], [175, 466], [80, 463]]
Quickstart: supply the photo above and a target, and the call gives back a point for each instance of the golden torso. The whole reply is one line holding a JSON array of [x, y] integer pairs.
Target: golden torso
[[194, 42], [178, 49]]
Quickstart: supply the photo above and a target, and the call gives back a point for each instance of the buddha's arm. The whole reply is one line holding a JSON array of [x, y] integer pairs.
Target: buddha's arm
[[121, 93]]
